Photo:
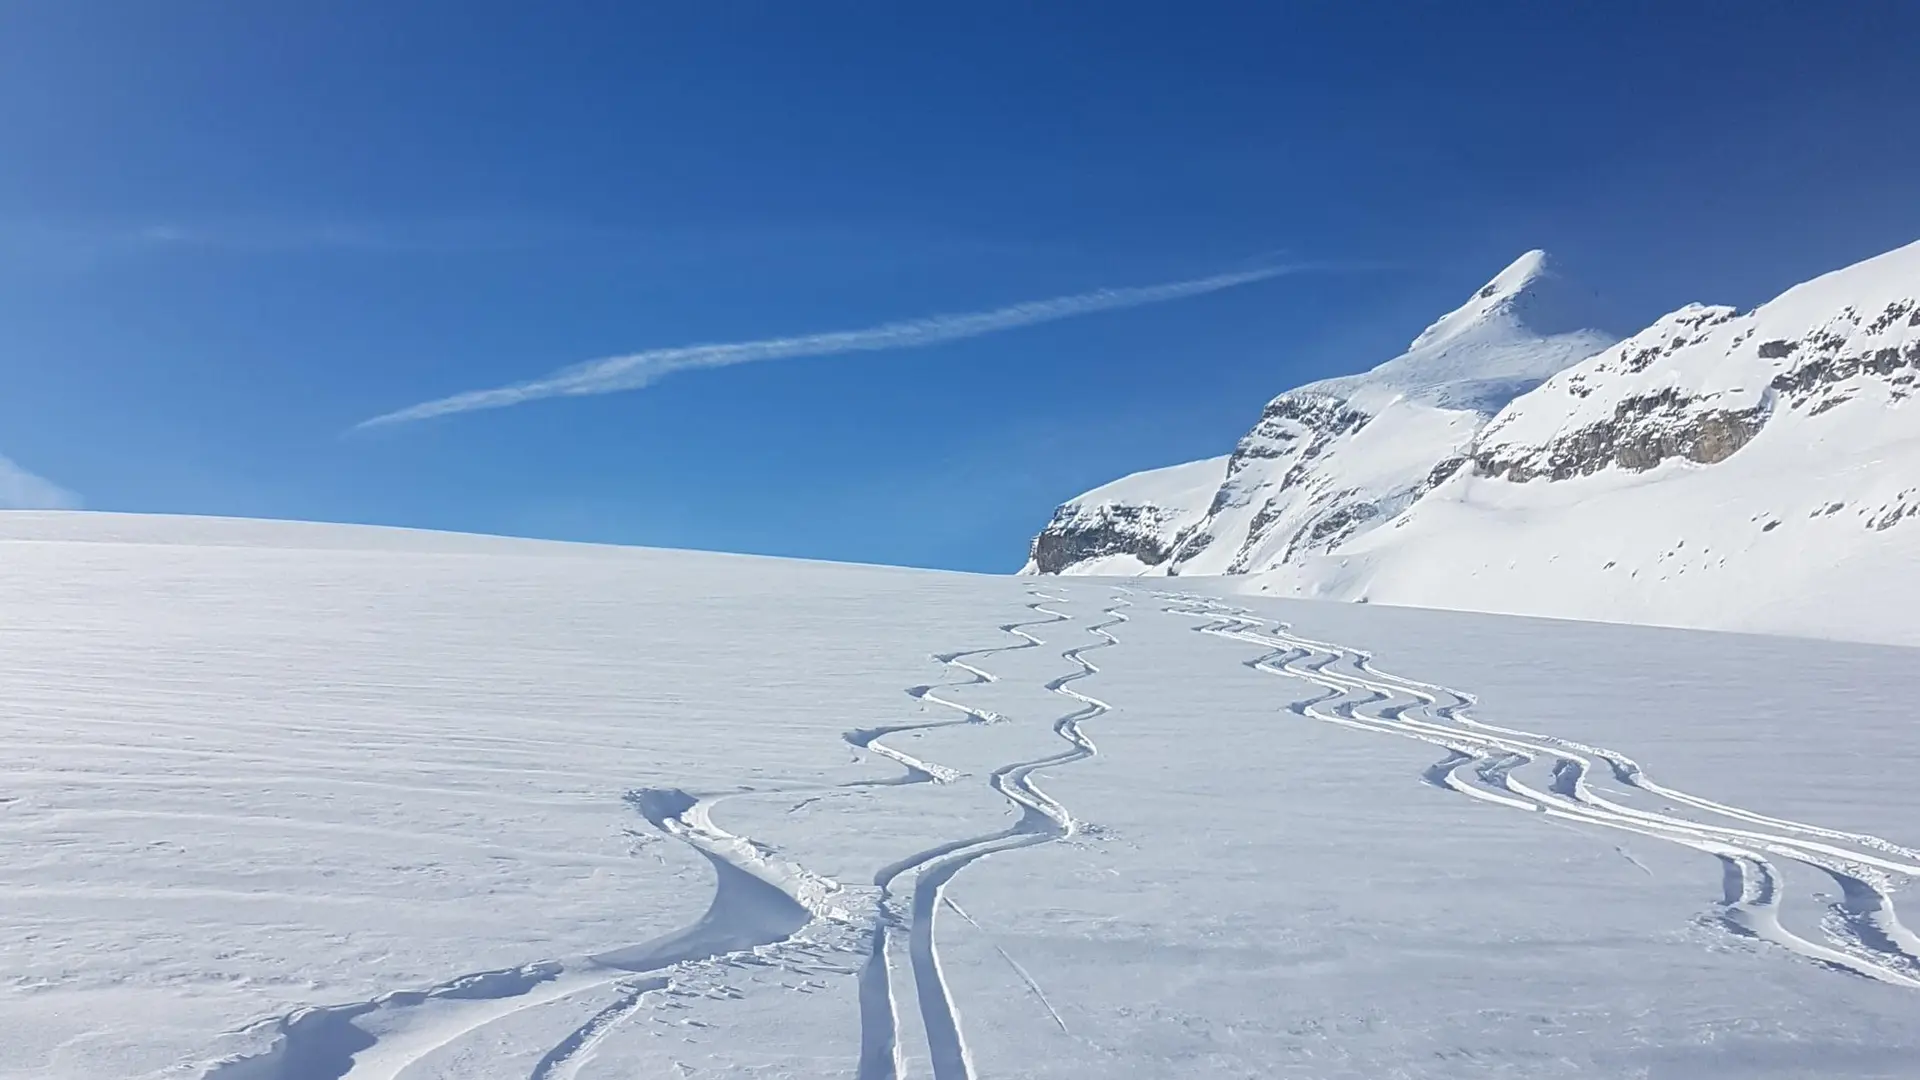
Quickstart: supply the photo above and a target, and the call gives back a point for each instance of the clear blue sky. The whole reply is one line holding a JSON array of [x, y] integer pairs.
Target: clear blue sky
[[229, 232]]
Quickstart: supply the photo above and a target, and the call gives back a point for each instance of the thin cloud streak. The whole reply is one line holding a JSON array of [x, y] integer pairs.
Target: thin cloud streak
[[640, 369]]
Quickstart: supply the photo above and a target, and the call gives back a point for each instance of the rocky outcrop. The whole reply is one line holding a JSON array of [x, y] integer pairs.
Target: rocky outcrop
[[1299, 421], [1643, 432], [1076, 535], [1293, 431], [1702, 383], [1832, 356], [1131, 526]]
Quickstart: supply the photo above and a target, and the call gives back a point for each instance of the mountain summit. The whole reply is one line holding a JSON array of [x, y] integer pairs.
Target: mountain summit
[[1529, 297], [1525, 324]]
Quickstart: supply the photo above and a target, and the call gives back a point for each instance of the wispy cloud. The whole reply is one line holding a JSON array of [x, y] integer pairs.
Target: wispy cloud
[[636, 370], [21, 490], [70, 247]]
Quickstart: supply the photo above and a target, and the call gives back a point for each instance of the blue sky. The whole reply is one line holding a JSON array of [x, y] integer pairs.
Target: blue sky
[[230, 233]]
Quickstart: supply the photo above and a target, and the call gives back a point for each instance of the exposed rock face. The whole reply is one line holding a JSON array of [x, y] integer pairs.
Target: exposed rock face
[[1294, 430], [1643, 432], [1298, 420], [1077, 536], [1130, 526], [1704, 382], [1886, 348]]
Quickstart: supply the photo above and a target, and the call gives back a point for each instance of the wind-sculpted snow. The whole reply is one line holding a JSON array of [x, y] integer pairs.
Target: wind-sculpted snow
[[1864, 933]]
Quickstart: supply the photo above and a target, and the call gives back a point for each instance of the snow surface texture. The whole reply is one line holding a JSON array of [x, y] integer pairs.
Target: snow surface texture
[[1752, 472], [300, 802]]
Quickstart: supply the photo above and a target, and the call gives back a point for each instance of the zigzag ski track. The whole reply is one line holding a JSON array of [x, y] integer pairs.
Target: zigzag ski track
[[763, 910], [1040, 819], [1863, 932]]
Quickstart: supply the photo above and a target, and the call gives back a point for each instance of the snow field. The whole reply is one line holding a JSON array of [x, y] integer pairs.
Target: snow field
[[296, 802]]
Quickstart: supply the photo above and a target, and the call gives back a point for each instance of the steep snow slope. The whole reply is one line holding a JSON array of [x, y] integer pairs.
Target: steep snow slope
[[1332, 459], [1756, 471], [303, 802]]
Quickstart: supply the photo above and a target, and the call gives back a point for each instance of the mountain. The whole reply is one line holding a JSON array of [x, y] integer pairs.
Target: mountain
[[1332, 459], [1132, 523], [1756, 471]]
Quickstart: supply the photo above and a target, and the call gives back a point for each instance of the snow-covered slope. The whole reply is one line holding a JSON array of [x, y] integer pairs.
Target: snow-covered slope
[[1331, 459], [1756, 471], [307, 802], [1130, 526]]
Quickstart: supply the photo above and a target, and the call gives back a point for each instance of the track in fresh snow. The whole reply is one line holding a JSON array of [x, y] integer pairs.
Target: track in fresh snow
[[759, 905], [1042, 819], [1864, 934]]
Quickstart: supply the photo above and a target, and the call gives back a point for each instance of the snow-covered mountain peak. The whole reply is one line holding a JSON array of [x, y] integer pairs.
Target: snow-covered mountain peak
[[1503, 304], [1526, 323]]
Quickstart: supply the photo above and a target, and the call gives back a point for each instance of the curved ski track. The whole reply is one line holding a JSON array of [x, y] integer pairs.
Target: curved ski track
[[1041, 819], [760, 904], [760, 907], [1865, 935]]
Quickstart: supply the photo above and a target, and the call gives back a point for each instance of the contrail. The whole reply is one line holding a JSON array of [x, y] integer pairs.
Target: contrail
[[639, 369]]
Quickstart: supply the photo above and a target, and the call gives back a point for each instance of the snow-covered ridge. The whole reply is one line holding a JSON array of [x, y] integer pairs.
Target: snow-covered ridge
[[1717, 469], [1129, 525], [1702, 382], [1331, 459]]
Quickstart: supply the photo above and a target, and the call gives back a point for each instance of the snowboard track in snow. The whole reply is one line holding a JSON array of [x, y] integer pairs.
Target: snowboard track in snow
[[1041, 819], [1864, 934]]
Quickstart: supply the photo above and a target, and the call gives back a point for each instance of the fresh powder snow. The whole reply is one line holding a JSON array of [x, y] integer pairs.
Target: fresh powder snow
[[308, 802]]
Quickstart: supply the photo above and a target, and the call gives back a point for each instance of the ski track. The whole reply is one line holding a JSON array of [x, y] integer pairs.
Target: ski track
[[1040, 819], [564, 1060], [1865, 935], [759, 904]]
